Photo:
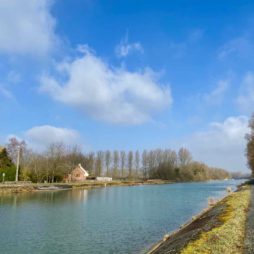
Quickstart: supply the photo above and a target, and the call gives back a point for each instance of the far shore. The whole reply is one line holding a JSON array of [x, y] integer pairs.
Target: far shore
[[32, 187]]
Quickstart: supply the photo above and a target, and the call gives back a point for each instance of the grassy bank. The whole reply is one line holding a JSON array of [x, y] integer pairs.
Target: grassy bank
[[219, 230], [29, 187], [229, 236]]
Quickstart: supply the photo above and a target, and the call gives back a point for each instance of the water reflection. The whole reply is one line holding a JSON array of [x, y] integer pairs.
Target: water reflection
[[105, 220], [46, 197]]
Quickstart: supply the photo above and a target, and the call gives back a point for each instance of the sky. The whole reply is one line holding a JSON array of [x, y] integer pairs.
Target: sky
[[136, 74]]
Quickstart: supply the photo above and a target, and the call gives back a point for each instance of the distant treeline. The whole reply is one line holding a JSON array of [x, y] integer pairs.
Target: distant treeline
[[58, 161]]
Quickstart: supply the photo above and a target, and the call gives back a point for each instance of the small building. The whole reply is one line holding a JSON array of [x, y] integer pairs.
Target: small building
[[104, 179], [78, 174]]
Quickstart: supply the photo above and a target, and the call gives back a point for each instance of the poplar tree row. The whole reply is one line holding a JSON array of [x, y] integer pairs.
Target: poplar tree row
[[58, 160]]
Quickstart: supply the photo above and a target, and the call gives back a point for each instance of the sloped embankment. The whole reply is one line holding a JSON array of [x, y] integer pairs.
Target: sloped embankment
[[219, 230], [249, 236]]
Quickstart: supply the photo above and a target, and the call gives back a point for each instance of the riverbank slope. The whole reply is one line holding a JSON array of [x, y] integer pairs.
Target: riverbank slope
[[220, 229]]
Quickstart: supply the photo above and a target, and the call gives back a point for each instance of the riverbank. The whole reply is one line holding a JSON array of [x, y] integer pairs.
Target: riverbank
[[30, 187], [220, 229], [249, 233]]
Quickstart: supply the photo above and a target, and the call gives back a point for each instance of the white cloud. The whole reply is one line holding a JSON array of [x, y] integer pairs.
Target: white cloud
[[222, 145], [215, 97], [26, 27], [39, 137], [239, 46], [124, 48], [110, 94], [245, 100]]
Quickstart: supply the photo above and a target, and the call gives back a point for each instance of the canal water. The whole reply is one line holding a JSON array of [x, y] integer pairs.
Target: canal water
[[105, 220]]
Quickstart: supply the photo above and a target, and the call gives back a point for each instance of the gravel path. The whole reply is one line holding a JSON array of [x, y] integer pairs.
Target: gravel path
[[249, 237]]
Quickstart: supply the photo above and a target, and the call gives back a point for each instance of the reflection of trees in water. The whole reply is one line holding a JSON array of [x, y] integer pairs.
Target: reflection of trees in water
[[44, 198]]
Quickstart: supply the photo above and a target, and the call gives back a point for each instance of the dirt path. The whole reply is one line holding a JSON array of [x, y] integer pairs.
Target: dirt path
[[249, 237]]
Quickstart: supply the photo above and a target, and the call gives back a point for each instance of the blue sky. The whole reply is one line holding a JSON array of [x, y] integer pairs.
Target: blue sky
[[129, 75]]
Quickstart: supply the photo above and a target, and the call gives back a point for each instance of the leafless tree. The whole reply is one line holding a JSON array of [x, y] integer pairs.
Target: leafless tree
[[137, 162], [91, 163], [130, 163], [145, 163], [99, 163], [108, 160], [250, 145], [13, 146], [123, 162], [115, 163], [56, 164], [184, 157]]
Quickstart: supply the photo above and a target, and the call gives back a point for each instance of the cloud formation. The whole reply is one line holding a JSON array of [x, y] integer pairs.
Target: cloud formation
[[27, 27], [222, 145], [114, 95], [215, 97], [124, 48], [39, 137]]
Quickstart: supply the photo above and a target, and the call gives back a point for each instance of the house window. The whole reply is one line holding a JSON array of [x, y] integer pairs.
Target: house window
[[77, 175]]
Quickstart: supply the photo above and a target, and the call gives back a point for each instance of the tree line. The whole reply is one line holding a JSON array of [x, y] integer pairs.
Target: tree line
[[58, 160], [250, 145]]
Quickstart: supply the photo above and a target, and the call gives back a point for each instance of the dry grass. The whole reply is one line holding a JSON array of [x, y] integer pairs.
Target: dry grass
[[227, 238]]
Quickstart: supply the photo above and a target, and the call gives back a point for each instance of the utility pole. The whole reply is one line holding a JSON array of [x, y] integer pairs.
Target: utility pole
[[17, 168]]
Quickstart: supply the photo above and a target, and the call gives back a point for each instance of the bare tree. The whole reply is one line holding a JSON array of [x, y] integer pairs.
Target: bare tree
[[98, 163], [73, 156], [250, 145], [56, 164], [184, 157], [130, 163], [36, 167], [107, 161], [123, 162], [90, 163], [115, 163], [13, 146], [151, 162], [137, 162], [145, 163]]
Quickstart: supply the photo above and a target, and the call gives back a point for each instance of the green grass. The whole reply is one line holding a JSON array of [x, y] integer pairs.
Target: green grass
[[228, 237]]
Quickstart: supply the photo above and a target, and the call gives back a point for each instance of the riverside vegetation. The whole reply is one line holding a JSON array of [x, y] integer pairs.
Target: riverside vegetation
[[58, 160], [229, 236], [221, 229]]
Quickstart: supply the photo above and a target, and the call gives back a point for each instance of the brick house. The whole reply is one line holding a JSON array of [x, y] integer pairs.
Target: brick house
[[78, 174]]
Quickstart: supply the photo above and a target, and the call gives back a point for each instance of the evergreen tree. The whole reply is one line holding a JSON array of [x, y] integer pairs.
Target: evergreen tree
[[6, 166]]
